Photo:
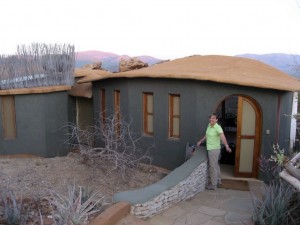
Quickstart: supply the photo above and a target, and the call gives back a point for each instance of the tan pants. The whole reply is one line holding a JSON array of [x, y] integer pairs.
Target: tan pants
[[214, 168]]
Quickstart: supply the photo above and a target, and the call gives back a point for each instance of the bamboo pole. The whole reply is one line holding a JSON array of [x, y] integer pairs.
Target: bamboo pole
[[38, 65]]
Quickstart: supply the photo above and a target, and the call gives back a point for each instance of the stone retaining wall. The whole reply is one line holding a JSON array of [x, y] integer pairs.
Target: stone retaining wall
[[180, 184], [184, 190]]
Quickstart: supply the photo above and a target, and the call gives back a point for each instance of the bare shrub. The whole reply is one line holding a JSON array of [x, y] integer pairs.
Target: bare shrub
[[115, 143]]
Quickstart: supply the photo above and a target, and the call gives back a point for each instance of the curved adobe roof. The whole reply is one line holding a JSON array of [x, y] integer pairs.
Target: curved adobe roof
[[222, 69]]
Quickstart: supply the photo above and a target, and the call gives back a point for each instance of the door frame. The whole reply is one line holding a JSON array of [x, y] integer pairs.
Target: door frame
[[257, 137]]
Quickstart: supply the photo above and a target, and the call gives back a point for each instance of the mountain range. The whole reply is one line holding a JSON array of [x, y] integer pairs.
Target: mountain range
[[287, 63]]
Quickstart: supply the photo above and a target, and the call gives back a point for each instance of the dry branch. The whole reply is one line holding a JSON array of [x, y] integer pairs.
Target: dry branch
[[290, 179], [292, 170], [295, 159], [119, 145], [290, 173]]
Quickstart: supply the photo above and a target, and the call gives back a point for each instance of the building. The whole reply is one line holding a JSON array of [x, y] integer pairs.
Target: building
[[34, 103], [170, 103]]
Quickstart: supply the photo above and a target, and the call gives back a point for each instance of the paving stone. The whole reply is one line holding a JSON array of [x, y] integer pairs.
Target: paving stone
[[223, 197], [193, 218], [188, 205], [160, 220], [219, 219], [211, 211], [241, 194], [211, 222], [174, 212], [237, 205], [237, 218], [205, 198]]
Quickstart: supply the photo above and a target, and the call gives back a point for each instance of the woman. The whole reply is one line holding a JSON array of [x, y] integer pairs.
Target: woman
[[214, 135]]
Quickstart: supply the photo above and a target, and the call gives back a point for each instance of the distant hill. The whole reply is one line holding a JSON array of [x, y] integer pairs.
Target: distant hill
[[284, 62], [110, 61]]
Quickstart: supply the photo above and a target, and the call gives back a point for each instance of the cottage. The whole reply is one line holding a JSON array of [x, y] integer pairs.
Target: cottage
[[170, 103], [34, 100]]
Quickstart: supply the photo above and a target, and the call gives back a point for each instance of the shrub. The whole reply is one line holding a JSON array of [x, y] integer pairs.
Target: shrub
[[118, 144], [76, 207], [277, 205], [14, 212]]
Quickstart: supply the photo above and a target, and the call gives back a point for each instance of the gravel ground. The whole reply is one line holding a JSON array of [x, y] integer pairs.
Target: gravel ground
[[34, 178]]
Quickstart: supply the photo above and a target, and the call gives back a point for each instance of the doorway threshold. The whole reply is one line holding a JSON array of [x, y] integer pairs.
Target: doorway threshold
[[227, 172]]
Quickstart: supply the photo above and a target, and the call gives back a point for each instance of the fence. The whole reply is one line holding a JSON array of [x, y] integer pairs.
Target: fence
[[38, 65]]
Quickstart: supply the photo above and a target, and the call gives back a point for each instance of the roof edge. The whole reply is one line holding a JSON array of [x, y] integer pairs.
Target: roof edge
[[36, 90]]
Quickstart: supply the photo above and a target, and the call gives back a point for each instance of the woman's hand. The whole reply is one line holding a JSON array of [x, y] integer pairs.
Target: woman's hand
[[228, 149], [199, 143]]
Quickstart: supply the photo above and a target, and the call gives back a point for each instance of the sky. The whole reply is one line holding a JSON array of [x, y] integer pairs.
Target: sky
[[165, 29]]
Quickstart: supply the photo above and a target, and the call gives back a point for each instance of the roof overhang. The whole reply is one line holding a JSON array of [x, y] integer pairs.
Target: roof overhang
[[37, 90]]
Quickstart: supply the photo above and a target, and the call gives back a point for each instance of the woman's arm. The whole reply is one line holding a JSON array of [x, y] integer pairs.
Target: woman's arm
[[201, 140], [223, 139]]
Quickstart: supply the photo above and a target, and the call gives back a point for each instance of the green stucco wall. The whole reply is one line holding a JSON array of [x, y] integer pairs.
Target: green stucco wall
[[39, 120], [198, 100]]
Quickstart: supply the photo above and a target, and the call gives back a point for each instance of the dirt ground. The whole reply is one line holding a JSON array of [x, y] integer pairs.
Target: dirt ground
[[35, 177]]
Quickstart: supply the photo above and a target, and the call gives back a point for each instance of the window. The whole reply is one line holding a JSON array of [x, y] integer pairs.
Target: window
[[148, 113], [102, 105], [117, 112], [9, 117], [174, 115]]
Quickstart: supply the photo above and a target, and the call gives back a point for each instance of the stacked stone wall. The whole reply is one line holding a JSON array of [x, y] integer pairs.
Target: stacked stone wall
[[184, 190]]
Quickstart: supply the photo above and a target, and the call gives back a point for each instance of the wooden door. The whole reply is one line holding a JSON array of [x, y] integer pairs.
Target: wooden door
[[248, 138], [85, 114]]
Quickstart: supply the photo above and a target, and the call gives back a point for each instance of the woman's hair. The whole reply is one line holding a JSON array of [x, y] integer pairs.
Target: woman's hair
[[213, 114]]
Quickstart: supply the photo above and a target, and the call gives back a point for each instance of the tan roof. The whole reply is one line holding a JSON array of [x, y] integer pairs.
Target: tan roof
[[90, 74], [222, 69], [82, 90], [36, 90]]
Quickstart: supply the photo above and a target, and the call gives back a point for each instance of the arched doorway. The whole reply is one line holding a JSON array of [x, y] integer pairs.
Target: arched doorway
[[240, 117]]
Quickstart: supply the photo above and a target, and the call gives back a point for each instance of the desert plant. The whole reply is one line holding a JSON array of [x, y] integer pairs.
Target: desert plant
[[270, 169], [120, 146], [13, 209], [277, 205], [72, 209]]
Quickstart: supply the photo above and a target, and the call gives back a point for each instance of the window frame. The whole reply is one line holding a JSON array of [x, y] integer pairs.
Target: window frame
[[172, 116], [12, 112], [102, 105], [117, 113], [146, 113]]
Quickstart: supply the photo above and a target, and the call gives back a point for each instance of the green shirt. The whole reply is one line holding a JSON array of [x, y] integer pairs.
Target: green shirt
[[213, 140]]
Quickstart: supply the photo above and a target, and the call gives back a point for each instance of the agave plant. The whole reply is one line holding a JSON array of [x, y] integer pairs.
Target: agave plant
[[14, 211], [276, 206], [75, 208]]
